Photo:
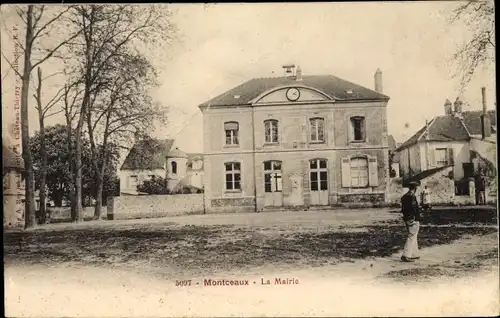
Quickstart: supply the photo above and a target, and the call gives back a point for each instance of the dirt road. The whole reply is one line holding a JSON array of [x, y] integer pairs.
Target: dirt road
[[363, 287]]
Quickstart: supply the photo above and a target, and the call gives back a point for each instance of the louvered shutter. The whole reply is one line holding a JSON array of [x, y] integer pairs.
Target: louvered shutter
[[432, 158], [346, 173], [373, 171]]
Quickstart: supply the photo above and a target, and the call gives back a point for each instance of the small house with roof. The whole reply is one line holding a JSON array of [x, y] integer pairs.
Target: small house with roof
[[462, 140], [295, 141], [161, 158]]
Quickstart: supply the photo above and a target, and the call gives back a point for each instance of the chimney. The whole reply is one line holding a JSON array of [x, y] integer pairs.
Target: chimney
[[447, 107], [378, 81], [298, 74], [485, 119], [457, 111], [289, 70]]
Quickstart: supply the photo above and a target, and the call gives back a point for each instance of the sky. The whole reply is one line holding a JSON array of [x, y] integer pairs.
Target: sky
[[219, 46]]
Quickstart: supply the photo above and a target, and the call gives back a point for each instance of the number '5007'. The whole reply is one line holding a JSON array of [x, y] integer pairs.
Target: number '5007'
[[183, 282]]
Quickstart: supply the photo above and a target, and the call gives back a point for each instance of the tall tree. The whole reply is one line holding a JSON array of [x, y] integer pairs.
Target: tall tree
[[44, 112], [38, 22], [111, 33], [59, 176], [479, 48], [122, 109]]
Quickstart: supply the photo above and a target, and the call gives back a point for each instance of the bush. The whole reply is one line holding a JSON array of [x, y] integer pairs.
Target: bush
[[156, 185]]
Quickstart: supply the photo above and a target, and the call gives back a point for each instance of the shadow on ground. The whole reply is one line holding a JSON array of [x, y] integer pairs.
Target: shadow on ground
[[201, 249]]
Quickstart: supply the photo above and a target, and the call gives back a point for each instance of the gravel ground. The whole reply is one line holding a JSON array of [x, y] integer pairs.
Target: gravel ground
[[127, 268]]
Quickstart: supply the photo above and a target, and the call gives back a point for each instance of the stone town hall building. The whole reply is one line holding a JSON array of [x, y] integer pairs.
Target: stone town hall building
[[295, 141]]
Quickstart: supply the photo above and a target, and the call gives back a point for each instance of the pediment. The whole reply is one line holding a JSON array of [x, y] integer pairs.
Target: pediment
[[290, 95]]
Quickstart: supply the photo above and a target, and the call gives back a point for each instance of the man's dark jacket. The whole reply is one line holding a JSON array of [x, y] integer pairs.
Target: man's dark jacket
[[409, 207]]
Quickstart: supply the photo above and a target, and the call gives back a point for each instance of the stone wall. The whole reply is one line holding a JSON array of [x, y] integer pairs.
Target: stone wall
[[150, 206], [395, 190], [354, 200], [442, 188], [64, 213]]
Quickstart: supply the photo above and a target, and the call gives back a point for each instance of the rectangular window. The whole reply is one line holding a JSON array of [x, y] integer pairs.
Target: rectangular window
[[271, 131], [359, 173], [317, 126], [358, 129], [233, 176], [231, 130], [318, 176], [441, 157], [323, 180], [272, 176]]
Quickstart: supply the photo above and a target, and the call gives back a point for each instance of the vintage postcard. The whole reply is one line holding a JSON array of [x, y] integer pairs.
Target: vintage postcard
[[250, 159]]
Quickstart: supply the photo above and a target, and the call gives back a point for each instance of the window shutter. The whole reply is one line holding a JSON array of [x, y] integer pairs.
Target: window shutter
[[451, 160], [432, 158], [362, 127], [346, 173], [350, 130], [373, 171]]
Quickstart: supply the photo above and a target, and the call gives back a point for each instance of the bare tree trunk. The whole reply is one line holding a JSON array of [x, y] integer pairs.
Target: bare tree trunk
[[100, 186], [30, 219], [43, 149], [78, 168]]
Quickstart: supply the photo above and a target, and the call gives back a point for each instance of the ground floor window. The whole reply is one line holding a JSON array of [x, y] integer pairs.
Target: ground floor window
[[233, 176], [318, 175], [272, 176], [359, 172]]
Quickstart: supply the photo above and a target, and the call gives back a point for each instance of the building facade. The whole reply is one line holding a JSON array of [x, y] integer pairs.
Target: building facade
[[295, 141], [464, 140], [13, 187], [160, 158]]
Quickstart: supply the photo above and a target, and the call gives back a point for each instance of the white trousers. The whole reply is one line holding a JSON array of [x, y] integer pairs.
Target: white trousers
[[411, 246]]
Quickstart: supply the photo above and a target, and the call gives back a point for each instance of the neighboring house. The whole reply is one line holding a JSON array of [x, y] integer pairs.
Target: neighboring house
[[161, 158], [13, 188], [451, 140], [295, 141]]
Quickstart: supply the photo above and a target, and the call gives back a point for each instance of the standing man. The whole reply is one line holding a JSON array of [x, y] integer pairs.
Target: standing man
[[425, 199], [411, 217], [480, 183]]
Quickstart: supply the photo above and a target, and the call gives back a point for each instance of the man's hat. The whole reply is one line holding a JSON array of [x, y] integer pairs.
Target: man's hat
[[413, 184]]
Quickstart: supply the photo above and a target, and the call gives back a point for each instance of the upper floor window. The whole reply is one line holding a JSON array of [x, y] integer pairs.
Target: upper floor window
[[174, 167], [271, 130], [233, 176], [317, 126], [231, 130], [272, 176], [444, 156], [358, 131]]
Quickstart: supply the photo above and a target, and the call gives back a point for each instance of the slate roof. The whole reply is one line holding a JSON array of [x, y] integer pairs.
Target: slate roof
[[426, 173], [177, 153], [449, 127], [335, 87], [148, 155], [11, 160], [472, 119]]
